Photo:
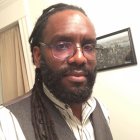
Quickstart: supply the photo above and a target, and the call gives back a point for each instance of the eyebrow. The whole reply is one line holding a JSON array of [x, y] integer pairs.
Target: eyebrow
[[57, 38], [89, 40], [70, 38]]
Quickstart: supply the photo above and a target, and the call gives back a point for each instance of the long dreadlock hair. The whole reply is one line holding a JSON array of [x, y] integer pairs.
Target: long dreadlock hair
[[40, 114], [41, 120]]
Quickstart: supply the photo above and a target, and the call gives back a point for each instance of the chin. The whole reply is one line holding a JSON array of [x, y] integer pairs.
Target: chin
[[77, 94]]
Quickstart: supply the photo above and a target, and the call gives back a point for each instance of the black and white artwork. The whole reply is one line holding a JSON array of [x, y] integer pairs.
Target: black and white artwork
[[115, 50]]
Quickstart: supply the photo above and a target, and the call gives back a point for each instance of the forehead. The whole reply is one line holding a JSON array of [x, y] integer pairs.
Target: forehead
[[69, 23]]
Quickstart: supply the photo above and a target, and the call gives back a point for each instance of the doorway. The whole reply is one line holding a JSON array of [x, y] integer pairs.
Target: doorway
[[13, 74]]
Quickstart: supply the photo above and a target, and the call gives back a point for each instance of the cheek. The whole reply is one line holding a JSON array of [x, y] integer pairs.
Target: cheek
[[92, 65], [50, 60]]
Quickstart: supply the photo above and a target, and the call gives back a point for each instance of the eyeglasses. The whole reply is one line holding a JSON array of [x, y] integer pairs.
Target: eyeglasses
[[65, 50]]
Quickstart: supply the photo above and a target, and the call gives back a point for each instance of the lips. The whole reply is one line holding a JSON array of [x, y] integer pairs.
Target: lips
[[76, 76]]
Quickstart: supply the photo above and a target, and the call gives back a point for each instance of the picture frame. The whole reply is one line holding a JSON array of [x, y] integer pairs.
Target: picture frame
[[115, 50]]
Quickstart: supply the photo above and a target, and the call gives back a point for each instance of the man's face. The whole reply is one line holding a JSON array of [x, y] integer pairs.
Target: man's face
[[70, 80]]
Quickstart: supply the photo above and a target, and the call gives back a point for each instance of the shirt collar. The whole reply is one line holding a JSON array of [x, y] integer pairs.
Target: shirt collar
[[87, 107]]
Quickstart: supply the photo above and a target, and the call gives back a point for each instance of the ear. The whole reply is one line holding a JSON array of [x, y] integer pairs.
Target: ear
[[36, 56]]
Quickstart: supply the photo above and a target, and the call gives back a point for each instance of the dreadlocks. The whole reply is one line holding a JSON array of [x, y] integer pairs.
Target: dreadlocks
[[41, 119]]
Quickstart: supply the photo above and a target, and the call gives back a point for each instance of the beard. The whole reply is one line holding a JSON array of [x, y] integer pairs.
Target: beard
[[52, 80]]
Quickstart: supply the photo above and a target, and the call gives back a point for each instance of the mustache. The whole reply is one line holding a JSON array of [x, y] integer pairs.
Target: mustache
[[70, 69]]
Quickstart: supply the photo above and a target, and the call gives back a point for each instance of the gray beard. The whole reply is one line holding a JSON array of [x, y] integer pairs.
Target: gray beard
[[52, 80]]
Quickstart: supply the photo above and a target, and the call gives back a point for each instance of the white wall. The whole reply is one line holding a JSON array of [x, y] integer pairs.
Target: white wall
[[11, 13], [118, 89]]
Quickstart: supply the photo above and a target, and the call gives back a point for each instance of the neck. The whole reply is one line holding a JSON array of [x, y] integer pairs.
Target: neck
[[77, 110]]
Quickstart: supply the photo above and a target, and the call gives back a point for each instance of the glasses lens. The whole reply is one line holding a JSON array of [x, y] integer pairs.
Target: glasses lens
[[62, 50], [89, 51]]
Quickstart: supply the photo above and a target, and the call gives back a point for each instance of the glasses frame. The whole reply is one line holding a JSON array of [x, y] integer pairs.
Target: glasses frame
[[74, 50]]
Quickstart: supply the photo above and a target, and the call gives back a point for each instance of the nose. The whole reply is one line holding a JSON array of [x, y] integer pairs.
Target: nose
[[78, 57]]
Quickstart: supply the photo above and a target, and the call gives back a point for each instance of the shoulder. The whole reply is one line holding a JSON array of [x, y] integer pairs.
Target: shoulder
[[18, 100], [21, 108], [104, 110], [20, 104], [5, 115], [9, 126], [3, 111]]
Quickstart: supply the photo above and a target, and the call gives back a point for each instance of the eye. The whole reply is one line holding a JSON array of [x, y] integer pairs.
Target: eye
[[62, 46], [89, 47]]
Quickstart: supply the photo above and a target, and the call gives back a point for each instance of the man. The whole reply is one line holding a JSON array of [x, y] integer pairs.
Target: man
[[60, 105]]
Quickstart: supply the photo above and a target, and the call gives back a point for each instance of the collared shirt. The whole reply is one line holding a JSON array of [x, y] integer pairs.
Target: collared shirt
[[83, 130], [9, 126]]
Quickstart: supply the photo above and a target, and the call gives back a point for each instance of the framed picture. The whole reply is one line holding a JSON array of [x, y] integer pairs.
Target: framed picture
[[115, 50]]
